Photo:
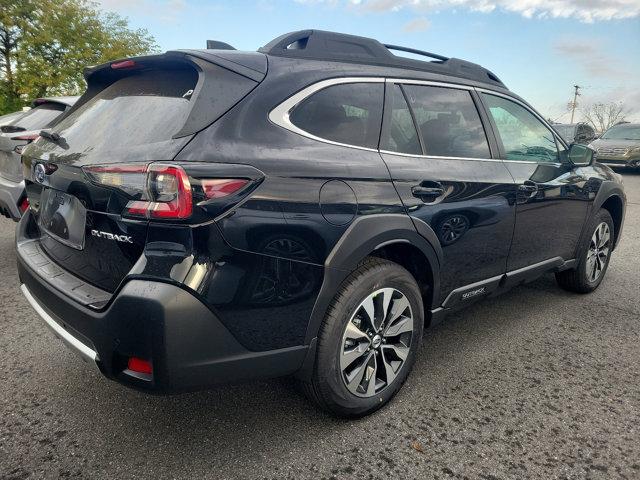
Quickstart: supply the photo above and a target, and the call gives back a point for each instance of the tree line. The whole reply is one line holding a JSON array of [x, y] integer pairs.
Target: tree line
[[46, 44]]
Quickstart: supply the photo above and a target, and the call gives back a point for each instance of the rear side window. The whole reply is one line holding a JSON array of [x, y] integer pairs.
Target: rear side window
[[39, 117], [349, 113], [448, 121], [399, 131]]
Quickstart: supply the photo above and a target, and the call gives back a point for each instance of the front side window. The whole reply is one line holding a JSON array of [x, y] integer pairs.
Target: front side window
[[349, 113], [448, 121], [400, 133], [523, 135]]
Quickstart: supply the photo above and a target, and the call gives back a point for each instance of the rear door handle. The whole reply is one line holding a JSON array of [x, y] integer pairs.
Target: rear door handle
[[528, 187], [428, 190]]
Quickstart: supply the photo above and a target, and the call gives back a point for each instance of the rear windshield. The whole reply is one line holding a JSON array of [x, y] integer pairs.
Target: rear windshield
[[39, 117], [143, 108]]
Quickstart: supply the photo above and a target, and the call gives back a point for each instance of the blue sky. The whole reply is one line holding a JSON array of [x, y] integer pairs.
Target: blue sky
[[539, 48]]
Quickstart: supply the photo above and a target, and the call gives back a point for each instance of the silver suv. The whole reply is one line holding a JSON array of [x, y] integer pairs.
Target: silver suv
[[619, 146], [15, 135]]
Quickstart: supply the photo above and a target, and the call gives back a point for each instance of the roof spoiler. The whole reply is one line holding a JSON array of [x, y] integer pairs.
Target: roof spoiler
[[217, 45]]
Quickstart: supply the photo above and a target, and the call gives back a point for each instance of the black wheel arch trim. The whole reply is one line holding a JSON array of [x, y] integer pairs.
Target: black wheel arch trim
[[378, 230], [607, 190]]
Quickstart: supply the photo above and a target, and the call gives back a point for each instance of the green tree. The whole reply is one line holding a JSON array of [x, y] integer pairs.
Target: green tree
[[45, 45]]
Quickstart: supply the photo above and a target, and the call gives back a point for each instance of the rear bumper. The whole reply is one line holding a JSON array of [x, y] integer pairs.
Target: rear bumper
[[10, 195], [187, 344], [87, 353]]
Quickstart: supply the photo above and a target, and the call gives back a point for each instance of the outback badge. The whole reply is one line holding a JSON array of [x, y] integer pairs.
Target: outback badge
[[111, 236]]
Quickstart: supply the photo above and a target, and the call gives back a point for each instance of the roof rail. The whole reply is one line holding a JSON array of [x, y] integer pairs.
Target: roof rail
[[340, 47], [417, 52]]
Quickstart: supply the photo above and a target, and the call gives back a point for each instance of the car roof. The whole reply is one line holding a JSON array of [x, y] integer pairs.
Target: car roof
[[343, 48]]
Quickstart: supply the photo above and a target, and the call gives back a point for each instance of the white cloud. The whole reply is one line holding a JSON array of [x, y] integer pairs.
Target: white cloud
[[587, 11], [588, 55], [419, 24]]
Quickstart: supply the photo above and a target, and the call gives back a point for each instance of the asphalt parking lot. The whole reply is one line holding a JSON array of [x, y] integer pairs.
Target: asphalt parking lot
[[538, 383]]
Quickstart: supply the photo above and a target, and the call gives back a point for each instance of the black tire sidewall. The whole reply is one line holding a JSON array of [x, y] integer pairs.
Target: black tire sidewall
[[600, 217], [358, 287]]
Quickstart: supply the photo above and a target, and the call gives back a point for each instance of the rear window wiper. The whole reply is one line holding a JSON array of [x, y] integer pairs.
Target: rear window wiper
[[11, 129], [53, 137]]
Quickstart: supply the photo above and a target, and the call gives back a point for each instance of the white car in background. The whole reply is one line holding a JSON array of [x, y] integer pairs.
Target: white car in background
[[21, 129]]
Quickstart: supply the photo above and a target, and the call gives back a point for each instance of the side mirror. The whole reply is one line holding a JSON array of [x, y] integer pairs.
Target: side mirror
[[580, 155]]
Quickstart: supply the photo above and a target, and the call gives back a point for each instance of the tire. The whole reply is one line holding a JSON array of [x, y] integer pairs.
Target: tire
[[342, 355], [581, 279]]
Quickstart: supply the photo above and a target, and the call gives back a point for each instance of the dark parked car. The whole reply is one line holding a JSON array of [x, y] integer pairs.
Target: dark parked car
[[575, 132], [619, 146], [210, 216], [14, 136]]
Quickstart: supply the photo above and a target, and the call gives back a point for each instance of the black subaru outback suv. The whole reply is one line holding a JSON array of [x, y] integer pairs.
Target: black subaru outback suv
[[205, 216]]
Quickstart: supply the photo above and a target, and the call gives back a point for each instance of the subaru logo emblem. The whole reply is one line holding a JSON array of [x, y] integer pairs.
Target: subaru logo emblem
[[39, 173]]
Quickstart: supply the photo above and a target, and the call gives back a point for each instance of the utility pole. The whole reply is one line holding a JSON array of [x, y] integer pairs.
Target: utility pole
[[574, 104]]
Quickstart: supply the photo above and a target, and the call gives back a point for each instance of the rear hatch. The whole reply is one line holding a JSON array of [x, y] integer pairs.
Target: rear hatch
[[19, 132], [88, 177]]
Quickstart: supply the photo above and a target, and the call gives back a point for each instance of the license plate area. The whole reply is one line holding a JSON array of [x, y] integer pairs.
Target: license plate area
[[63, 217]]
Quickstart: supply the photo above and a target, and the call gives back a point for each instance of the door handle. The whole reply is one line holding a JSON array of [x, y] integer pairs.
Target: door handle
[[428, 189], [528, 187]]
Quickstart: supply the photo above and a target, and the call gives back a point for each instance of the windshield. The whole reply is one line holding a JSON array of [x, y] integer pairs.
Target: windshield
[[39, 117], [623, 132], [139, 109]]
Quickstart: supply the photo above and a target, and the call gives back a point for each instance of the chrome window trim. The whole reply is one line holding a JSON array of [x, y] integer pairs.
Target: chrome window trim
[[431, 83], [280, 115]]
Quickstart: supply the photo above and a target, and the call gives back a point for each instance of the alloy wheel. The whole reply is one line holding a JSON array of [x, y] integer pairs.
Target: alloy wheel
[[598, 254], [376, 342]]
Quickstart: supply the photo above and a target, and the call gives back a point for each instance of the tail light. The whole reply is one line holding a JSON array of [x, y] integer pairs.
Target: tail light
[[24, 205], [222, 187], [123, 64], [24, 138], [161, 190]]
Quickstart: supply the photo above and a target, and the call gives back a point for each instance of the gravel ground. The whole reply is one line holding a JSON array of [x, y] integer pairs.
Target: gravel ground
[[538, 383]]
